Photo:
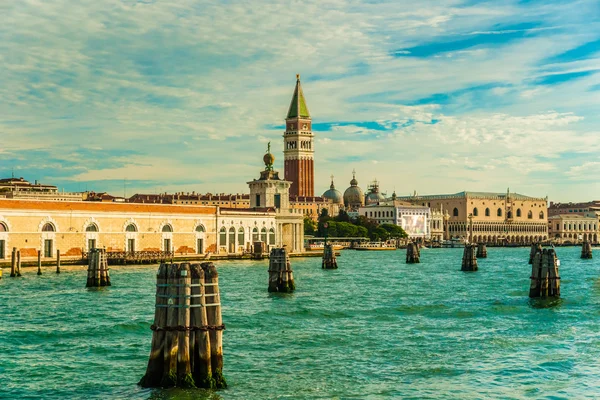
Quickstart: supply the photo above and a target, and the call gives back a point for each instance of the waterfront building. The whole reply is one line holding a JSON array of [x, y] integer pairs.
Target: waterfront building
[[269, 192], [436, 224], [415, 220], [74, 227], [573, 228], [496, 217]]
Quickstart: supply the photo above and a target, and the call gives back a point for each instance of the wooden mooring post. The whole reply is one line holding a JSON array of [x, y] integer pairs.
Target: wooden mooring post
[[58, 261], [469, 260], [586, 250], [13, 263], [545, 279], [18, 262], [187, 339], [98, 273], [413, 255], [329, 260], [481, 251], [535, 248], [39, 262], [281, 276]]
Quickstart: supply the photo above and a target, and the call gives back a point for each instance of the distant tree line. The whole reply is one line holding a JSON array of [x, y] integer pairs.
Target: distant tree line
[[344, 226]]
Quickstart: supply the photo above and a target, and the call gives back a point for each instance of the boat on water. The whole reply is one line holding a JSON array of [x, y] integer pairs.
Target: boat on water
[[374, 246], [321, 246], [453, 243]]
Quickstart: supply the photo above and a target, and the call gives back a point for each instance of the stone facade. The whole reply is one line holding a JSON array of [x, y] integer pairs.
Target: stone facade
[[496, 217], [573, 228]]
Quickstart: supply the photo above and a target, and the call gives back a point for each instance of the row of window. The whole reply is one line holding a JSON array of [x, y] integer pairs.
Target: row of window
[[263, 236], [499, 213], [582, 227]]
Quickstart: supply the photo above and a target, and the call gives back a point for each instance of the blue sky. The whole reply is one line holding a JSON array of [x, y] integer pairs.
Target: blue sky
[[427, 96]]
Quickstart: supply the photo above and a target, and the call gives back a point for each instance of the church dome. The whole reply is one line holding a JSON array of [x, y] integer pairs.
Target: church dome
[[353, 196], [374, 196], [333, 194]]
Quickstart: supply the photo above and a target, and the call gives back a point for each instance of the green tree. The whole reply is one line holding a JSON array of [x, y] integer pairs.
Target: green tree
[[310, 226], [394, 231]]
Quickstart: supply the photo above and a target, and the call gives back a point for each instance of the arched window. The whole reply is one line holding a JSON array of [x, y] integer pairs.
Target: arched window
[[541, 215], [255, 234], [48, 228], [232, 235], [223, 237], [487, 212], [499, 212], [3, 227], [167, 228], [91, 228], [272, 236], [509, 214], [200, 228], [475, 212], [241, 238], [131, 228], [530, 215], [263, 235], [455, 212], [518, 212]]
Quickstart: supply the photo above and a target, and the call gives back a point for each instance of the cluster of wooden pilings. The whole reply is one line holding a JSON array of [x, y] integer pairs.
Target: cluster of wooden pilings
[[413, 255], [98, 273], [481, 251], [15, 263], [586, 250], [329, 260], [535, 248], [545, 279], [281, 276], [187, 339], [469, 260]]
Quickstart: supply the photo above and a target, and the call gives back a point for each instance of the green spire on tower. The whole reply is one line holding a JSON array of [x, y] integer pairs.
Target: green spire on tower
[[298, 105]]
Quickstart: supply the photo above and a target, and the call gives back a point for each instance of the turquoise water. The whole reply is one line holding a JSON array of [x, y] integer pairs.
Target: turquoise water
[[375, 328]]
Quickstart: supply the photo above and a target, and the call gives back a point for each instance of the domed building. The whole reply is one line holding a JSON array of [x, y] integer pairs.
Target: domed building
[[374, 196], [333, 194], [354, 196]]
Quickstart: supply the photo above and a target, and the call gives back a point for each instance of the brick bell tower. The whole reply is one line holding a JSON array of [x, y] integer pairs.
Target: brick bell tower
[[299, 146]]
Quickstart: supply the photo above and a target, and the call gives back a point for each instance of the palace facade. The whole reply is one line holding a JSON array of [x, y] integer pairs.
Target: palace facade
[[495, 217]]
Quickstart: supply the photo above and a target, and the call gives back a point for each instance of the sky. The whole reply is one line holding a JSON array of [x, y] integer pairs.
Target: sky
[[425, 96]]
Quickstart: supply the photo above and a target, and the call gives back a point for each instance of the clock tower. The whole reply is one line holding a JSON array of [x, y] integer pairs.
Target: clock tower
[[299, 146]]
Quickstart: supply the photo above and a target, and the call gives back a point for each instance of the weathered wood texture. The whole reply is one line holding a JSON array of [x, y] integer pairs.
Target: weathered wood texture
[[535, 248], [545, 279], [329, 260], [13, 263], [98, 272], [586, 250], [413, 255], [281, 276], [187, 339], [18, 262], [39, 262], [469, 260], [481, 250]]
